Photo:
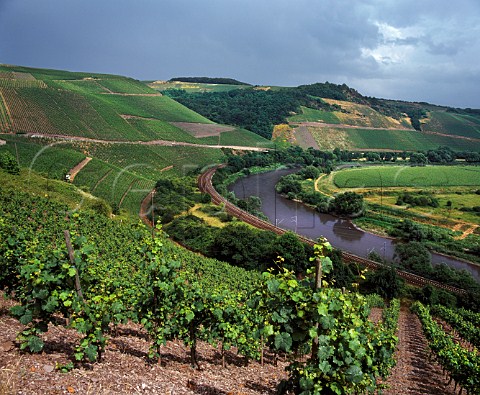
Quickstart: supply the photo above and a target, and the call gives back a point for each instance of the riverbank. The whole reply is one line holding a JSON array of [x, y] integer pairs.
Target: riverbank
[[342, 233]]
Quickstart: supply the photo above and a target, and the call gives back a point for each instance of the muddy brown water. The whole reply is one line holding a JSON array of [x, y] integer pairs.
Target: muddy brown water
[[341, 233]]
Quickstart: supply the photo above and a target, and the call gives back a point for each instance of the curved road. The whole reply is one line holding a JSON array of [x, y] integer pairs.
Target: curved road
[[206, 186]]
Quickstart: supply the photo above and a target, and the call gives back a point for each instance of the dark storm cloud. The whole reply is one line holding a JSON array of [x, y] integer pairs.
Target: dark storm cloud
[[409, 49]]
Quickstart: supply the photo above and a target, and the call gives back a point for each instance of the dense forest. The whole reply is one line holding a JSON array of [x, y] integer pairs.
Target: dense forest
[[209, 80]]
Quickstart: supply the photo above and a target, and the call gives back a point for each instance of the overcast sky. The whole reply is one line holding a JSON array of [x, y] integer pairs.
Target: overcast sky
[[419, 50]]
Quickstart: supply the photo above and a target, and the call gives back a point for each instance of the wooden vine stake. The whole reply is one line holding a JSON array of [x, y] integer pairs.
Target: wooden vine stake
[[71, 256]]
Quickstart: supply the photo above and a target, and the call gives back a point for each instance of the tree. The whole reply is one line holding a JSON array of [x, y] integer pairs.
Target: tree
[[349, 203], [385, 282], [418, 158], [414, 256], [289, 183], [289, 247], [309, 172]]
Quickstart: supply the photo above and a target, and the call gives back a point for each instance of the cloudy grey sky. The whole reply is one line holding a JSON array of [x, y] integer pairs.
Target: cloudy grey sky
[[421, 50]]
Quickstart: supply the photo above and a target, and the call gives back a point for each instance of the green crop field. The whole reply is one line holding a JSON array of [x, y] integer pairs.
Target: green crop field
[[455, 124], [82, 104], [154, 129], [147, 161], [117, 186], [407, 176], [124, 174], [79, 86]]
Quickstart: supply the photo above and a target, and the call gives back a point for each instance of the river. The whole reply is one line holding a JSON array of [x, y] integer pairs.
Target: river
[[303, 220]]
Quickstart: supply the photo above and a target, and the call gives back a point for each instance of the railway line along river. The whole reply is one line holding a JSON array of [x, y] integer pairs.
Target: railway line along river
[[341, 233]]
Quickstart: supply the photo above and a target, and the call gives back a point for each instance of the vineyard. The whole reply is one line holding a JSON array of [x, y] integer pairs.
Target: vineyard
[[54, 160], [5, 122], [82, 266], [125, 86], [394, 139], [462, 365], [92, 302], [157, 107], [52, 102], [456, 124]]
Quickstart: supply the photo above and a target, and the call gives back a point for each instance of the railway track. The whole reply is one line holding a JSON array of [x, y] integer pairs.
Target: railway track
[[206, 186]]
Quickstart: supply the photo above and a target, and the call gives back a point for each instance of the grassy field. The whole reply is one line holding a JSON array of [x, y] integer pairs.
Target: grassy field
[[451, 123], [454, 188], [407, 176]]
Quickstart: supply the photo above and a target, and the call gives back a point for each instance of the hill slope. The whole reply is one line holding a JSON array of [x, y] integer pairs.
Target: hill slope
[[99, 106], [329, 115], [51, 120]]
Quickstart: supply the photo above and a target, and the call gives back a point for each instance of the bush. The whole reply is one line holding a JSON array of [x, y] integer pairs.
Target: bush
[[9, 163]]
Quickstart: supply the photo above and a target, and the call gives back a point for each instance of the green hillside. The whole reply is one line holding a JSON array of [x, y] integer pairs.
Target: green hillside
[[95, 106], [338, 116], [465, 125], [122, 174], [388, 139]]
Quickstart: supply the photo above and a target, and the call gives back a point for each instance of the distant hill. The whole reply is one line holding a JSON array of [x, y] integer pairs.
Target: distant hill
[[326, 115], [209, 80]]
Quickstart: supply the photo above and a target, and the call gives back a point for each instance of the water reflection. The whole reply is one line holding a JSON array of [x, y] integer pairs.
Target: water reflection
[[340, 233], [345, 230]]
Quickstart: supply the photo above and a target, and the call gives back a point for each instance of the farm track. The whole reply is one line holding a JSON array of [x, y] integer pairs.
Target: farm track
[[126, 192], [145, 208], [414, 374], [164, 143], [206, 186], [467, 232], [75, 170]]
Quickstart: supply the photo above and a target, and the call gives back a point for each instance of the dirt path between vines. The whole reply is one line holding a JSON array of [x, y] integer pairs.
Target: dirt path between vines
[[125, 368], [74, 171], [164, 143], [414, 373]]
